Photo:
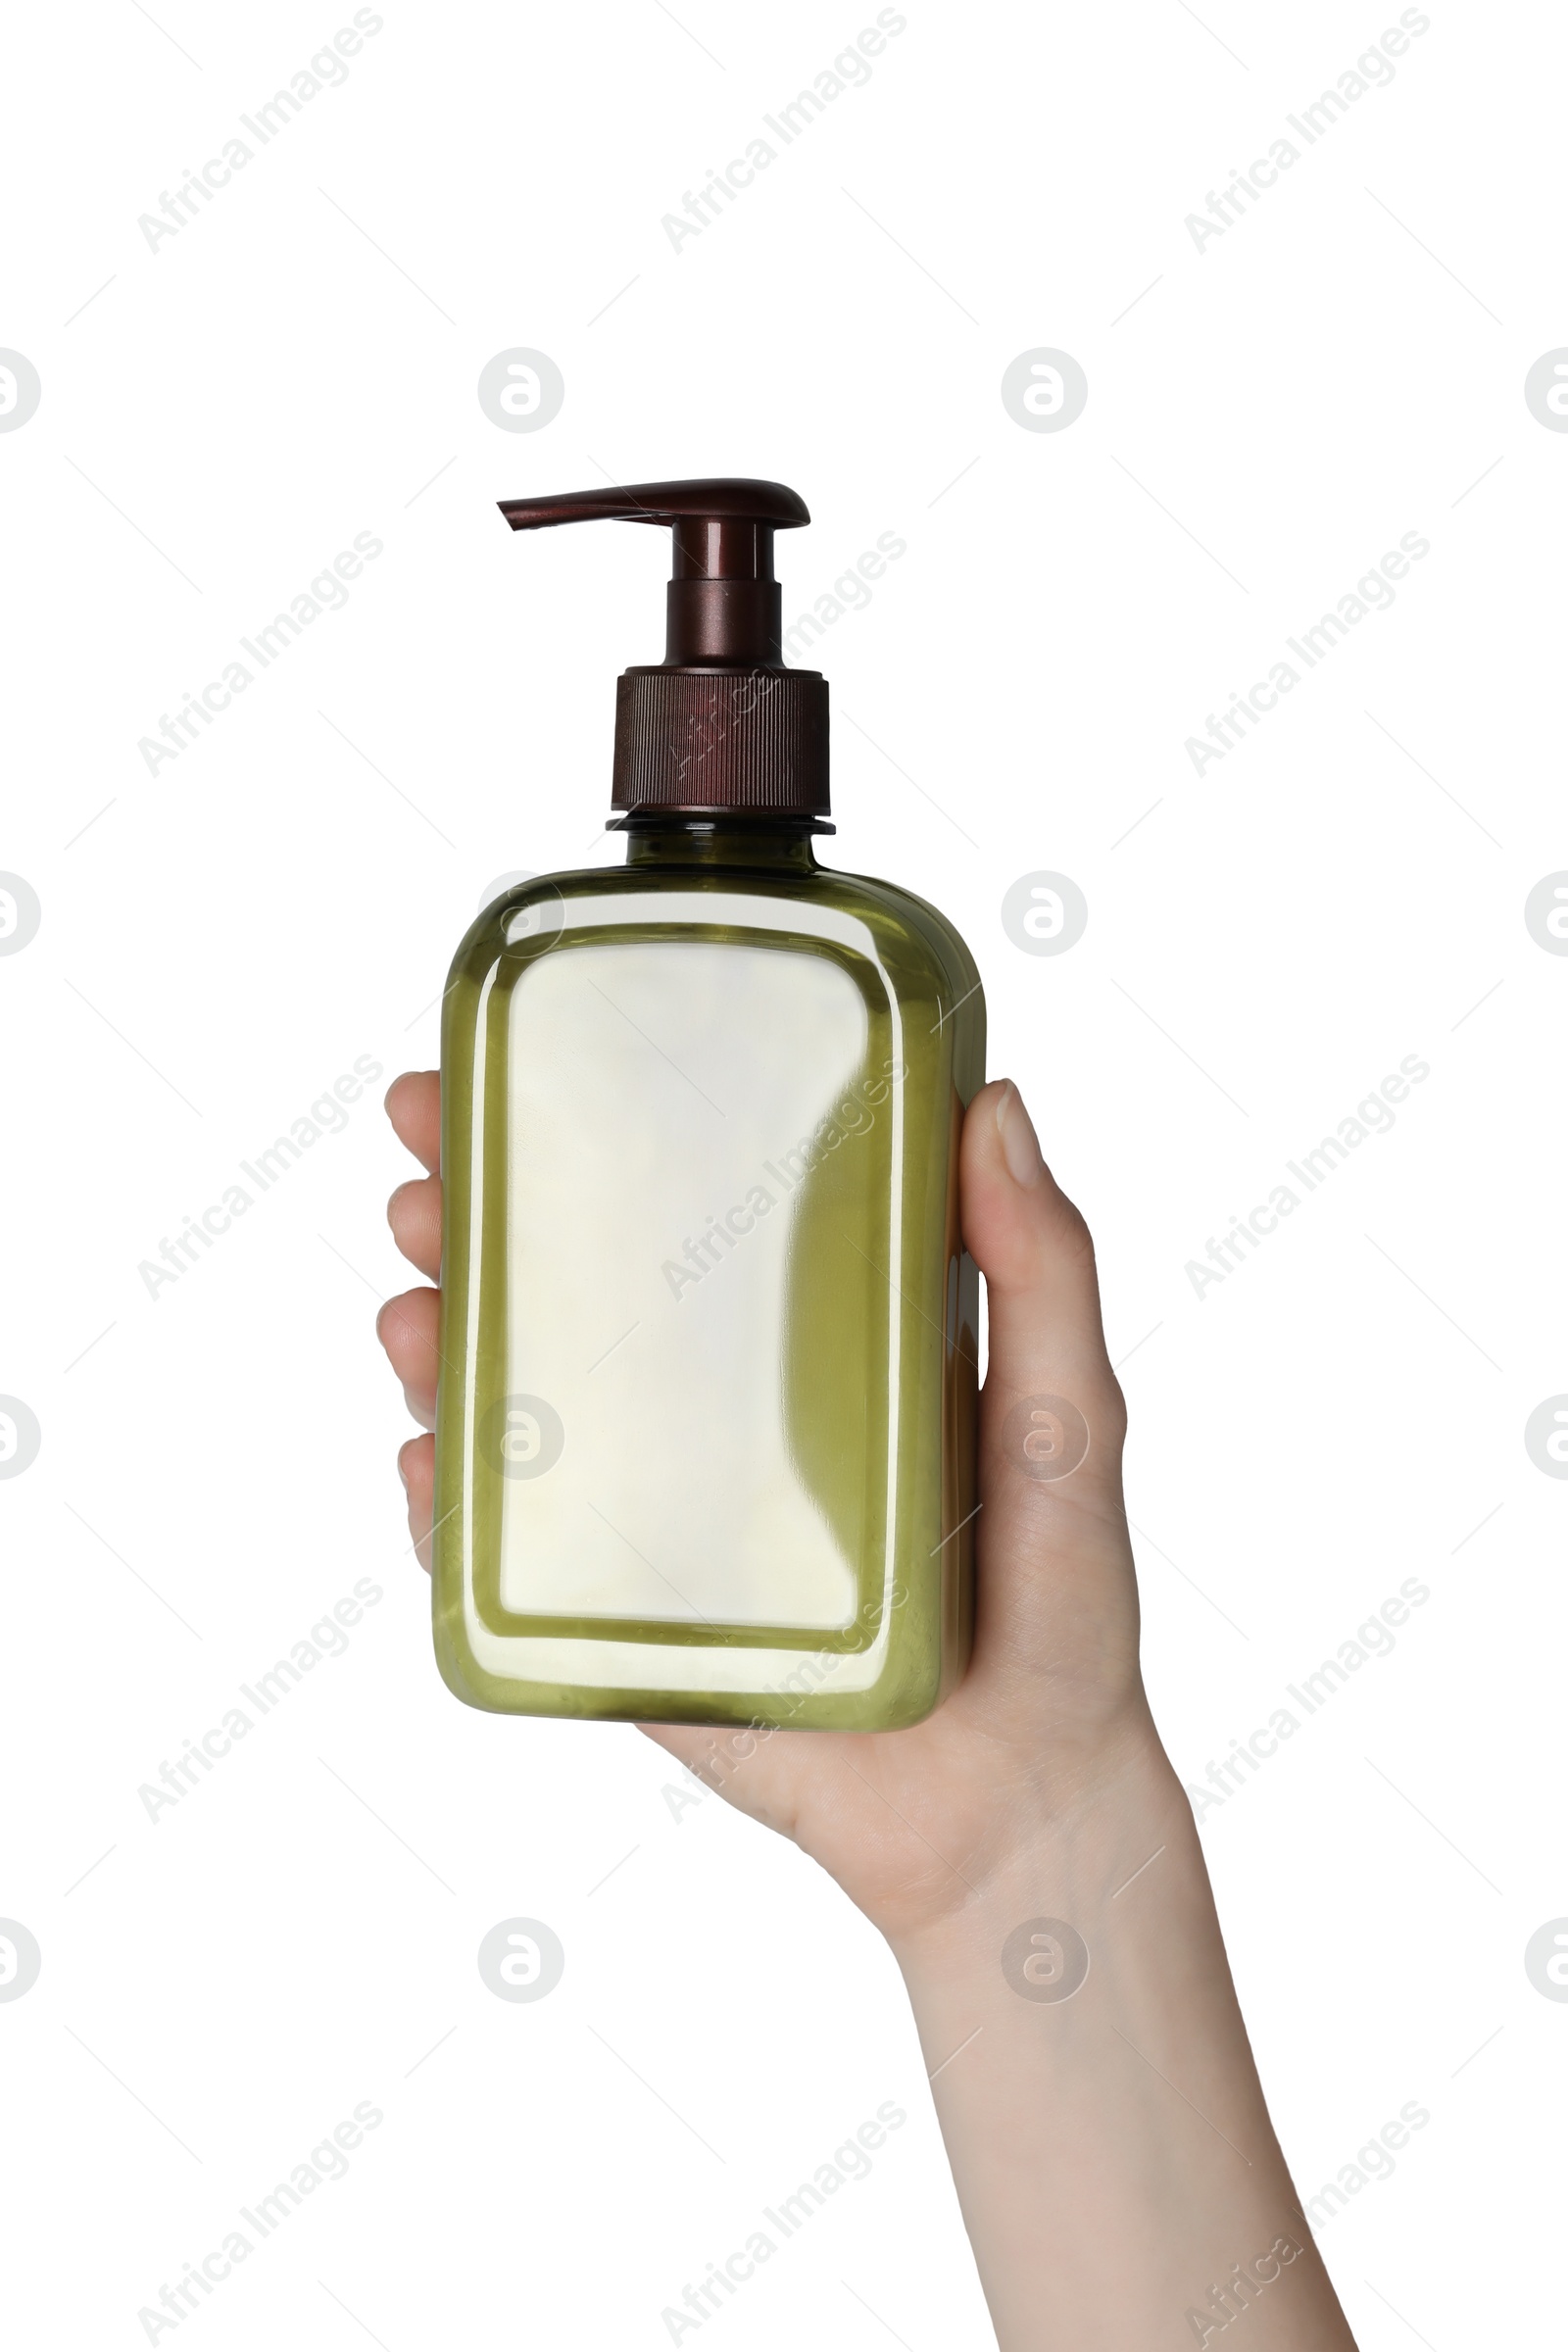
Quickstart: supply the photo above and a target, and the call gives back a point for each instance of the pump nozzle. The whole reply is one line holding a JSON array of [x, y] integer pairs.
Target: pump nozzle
[[722, 605], [697, 731]]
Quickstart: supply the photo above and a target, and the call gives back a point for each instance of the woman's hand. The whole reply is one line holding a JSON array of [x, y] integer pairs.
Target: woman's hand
[[1028, 1851]]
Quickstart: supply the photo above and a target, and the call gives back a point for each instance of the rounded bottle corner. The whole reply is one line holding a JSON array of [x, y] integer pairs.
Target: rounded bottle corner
[[448, 1667], [455, 1662]]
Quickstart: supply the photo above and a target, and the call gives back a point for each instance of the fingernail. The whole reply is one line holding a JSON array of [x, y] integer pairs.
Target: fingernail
[[1020, 1146], [403, 1473]]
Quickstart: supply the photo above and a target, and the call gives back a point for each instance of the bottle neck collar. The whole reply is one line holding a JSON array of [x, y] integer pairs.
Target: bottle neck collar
[[719, 842]]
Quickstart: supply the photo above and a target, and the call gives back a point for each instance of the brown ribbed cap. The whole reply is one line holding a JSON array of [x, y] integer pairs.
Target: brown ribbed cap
[[696, 739], [720, 724]]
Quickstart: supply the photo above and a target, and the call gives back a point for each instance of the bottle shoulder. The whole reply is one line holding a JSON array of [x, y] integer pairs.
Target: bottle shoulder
[[650, 896], [912, 949], [891, 905]]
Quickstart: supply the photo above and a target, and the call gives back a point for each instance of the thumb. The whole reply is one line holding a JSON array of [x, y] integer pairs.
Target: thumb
[[1043, 1296]]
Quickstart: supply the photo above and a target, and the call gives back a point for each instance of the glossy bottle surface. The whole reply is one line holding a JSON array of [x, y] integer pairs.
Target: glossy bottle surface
[[705, 1431]]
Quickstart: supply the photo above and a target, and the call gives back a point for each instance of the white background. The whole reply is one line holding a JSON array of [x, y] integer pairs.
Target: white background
[[1343, 365]]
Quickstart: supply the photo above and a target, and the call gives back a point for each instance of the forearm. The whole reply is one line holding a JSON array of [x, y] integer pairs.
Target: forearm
[[1112, 2152]]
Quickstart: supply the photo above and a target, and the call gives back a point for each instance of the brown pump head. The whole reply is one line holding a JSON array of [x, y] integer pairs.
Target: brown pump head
[[720, 724]]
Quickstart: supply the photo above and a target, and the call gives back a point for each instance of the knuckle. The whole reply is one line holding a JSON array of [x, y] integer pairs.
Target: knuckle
[[1070, 1232]]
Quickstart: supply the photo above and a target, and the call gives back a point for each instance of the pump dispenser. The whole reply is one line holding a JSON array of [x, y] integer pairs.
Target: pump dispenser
[[719, 723], [704, 1437]]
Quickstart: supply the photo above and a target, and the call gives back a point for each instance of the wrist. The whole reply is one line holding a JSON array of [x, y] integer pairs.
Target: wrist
[[1077, 1853]]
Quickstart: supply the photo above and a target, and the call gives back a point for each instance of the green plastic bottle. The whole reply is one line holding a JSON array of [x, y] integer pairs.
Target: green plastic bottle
[[706, 1423]]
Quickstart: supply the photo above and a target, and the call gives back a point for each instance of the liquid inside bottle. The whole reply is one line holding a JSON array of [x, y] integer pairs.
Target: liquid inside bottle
[[705, 1445]]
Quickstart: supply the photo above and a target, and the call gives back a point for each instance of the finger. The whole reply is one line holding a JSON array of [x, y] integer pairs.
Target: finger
[[408, 1328], [1055, 1565], [1035, 1251], [413, 1106], [417, 1469], [1048, 1344], [414, 1214]]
